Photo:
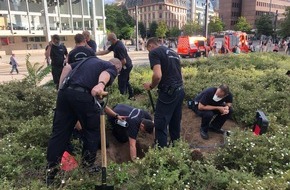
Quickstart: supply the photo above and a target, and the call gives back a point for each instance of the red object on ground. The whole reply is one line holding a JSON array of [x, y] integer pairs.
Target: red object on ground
[[68, 162], [257, 130]]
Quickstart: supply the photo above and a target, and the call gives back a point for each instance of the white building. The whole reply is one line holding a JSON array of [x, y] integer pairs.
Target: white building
[[29, 24], [196, 10]]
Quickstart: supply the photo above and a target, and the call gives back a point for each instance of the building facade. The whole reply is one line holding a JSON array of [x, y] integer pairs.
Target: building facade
[[231, 10], [29, 24], [196, 10], [172, 12]]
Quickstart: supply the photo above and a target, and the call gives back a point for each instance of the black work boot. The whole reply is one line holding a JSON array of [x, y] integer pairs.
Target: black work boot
[[50, 174], [204, 134]]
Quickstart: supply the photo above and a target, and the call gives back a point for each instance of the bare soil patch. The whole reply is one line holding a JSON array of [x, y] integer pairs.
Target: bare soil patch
[[118, 152]]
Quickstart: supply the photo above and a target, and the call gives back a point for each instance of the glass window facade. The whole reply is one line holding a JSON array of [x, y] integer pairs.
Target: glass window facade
[[37, 20]]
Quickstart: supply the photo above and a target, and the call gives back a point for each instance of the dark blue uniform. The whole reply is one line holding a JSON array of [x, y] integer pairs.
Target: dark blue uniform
[[121, 53], [134, 120], [57, 56], [79, 53], [76, 103], [170, 94], [206, 98], [93, 45]]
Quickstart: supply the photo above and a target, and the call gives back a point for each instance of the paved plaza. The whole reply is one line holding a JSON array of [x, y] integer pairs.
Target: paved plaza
[[138, 58]]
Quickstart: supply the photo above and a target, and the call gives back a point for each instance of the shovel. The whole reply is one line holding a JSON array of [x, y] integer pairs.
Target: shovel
[[104, 185], [151, 100]]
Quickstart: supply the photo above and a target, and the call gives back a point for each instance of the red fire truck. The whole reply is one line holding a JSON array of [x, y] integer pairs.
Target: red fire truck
[[192, 46], [229, 39]]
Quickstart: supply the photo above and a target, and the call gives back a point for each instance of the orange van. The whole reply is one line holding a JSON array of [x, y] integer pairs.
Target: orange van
[[192, 46]]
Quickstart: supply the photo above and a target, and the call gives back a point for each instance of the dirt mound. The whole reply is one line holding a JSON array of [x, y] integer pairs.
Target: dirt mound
[[119, 153]]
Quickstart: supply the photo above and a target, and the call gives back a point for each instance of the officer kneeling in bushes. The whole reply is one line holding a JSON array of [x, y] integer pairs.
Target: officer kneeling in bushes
[[127, 130], [214, 105]]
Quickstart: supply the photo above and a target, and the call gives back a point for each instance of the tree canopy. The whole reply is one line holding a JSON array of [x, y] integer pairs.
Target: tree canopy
[[119, 21], [191, 28], [264, 25], [285, 24], [215, 25], [174, 32], [152, 28], [142, 29], [161, 29], [243, 25]]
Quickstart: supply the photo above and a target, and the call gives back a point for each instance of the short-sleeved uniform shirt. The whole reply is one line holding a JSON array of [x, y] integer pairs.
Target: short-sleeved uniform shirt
[[92, 68], [57, 55], [134, 119], [121, 53], [206, 97], [79, 53], [93, 45], [170, 66]]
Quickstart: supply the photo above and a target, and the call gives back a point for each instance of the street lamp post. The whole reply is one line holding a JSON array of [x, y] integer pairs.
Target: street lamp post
[[206, 19], [137, 40]]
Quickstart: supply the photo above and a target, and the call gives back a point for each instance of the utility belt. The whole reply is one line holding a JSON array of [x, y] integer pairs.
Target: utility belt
[[170, 90], [79, 88]]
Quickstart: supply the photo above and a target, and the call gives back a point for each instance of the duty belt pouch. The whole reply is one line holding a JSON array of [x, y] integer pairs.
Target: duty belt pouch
[[65, 82]]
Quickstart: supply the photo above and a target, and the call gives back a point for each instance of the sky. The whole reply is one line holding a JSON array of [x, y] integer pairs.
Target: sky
[[109, 1]]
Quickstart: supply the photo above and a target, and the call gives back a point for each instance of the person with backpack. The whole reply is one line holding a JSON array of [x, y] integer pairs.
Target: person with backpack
[[57, 53]]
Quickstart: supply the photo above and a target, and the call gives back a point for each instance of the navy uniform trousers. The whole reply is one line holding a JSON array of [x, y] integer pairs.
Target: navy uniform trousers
[[124, 82], [211, 118], [72, 106], [168, 113]]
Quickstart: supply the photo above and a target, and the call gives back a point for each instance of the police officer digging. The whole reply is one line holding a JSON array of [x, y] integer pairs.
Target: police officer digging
[[80, 51], [121, 53], [76, 102], [166, 67], [214, 105], [136, 120]]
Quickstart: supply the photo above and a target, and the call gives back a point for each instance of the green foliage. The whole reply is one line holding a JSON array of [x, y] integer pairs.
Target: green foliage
[[257, 81], [243, 25], [264, 25], [152, 28], [174, 32], [161, 30], [142, 29], [285, 24], [191, 28], [216, 25], [119, 21], [36, 73]]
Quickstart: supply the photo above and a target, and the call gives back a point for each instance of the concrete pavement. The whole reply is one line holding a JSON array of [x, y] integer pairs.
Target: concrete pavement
[[138, 58]]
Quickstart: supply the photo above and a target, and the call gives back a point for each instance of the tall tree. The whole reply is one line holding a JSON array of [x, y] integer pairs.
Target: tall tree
[[285, 24], [264, 25], [191, 28], [142, 29], [216, 25], [161, 30], [119, 21], [152, 28], [174, 32], [243, 25]]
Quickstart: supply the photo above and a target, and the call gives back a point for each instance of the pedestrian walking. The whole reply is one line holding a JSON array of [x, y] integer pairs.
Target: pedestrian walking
[[14, 64]]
